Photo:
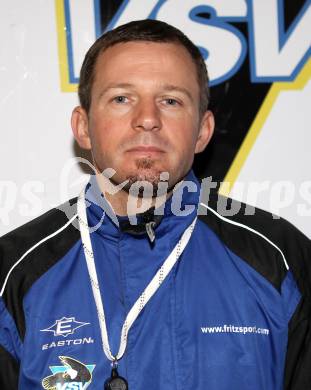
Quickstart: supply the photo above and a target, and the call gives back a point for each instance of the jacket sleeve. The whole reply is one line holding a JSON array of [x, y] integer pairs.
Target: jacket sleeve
[[9, 369], [298, 358], [10, 347]]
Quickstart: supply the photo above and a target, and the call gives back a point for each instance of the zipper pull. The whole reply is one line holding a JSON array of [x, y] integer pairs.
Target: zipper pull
[[150, 230]]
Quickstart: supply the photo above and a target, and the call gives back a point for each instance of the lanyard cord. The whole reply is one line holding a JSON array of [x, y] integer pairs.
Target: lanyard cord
[[144, 298]]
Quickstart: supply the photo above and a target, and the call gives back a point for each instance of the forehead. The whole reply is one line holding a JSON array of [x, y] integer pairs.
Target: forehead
[[141, 61]]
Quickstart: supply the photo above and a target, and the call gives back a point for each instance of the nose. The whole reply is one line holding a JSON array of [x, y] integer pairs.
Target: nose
[[146, 116]]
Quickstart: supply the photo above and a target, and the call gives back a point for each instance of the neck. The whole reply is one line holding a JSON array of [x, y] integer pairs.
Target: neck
[[124, 203]]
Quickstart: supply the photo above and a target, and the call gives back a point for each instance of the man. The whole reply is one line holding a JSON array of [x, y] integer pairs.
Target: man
[[176, 296]]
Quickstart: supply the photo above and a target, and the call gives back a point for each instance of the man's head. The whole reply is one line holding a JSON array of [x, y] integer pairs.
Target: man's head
[[144, 95]]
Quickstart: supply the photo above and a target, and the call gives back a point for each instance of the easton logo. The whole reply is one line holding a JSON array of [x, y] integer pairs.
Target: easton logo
[[71, 375], [65, 326]]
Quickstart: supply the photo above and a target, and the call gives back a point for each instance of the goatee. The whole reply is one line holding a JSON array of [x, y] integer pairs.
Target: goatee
[[145, 180]]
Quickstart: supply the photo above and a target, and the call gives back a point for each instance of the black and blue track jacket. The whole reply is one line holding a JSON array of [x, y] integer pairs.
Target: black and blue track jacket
[[233, 314]]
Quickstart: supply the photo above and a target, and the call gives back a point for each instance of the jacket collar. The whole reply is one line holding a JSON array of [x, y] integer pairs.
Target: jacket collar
[[180, 208]]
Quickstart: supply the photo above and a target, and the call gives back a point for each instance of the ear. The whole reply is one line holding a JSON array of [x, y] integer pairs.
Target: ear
[[206, 131], [80, 128]]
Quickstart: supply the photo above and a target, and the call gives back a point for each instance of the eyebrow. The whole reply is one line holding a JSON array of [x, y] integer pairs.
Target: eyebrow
[[115, 86], [165, 87], [171, 87]]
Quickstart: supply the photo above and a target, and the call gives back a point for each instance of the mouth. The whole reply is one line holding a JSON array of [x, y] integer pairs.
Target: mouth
[[145, 150]]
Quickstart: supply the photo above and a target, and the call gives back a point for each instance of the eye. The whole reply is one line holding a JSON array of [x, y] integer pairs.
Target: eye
[[171, 102], [120, 99]]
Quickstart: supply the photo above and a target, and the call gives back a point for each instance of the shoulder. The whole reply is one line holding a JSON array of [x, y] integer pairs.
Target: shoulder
[[270, 244], [27, 252], [51, 232]]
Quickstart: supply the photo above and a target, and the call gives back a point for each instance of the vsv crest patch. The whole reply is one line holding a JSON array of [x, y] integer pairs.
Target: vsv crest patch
[[72, 375]]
